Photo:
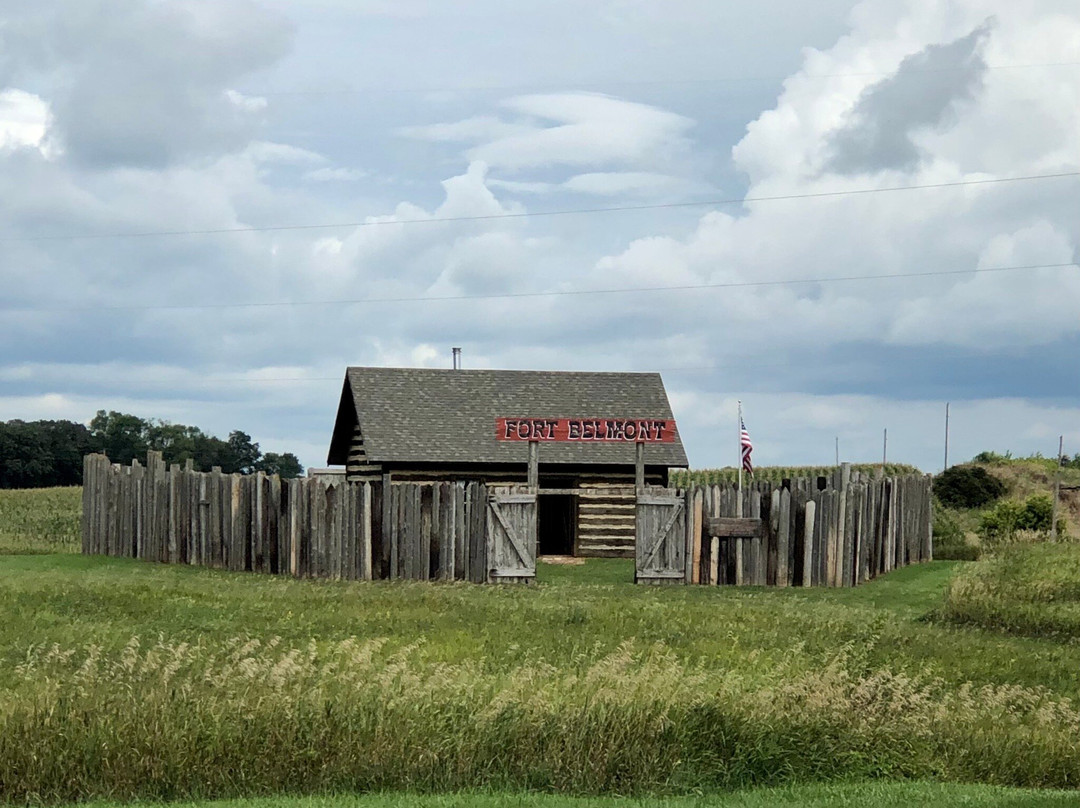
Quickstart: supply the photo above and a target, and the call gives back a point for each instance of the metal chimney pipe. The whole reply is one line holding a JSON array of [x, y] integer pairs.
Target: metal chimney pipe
[[457, 358]]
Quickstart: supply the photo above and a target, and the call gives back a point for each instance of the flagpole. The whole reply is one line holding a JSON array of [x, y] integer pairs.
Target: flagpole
[[738, 499]]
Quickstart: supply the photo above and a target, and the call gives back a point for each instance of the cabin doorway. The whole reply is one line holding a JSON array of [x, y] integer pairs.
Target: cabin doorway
[[556, 524]]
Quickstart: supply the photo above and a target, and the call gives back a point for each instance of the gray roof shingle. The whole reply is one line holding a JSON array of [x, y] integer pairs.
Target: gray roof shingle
[[428, 415]]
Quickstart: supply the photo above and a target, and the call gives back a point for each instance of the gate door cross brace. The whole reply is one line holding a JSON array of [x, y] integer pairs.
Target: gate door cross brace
[[510, 534]]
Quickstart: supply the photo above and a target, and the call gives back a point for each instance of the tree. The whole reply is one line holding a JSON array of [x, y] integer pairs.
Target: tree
[[37, 454], [242, 455], [46, 453], [122, 437], [285, 465], [967, 487]]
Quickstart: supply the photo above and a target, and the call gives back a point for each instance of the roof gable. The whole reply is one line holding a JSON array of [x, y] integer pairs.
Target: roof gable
[[428, 415]]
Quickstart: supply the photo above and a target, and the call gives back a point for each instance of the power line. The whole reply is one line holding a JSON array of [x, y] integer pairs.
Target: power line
[[533, 214], [555, 293], [556, 84]]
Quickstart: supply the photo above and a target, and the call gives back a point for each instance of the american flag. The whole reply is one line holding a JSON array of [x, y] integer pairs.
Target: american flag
[[747, 447]]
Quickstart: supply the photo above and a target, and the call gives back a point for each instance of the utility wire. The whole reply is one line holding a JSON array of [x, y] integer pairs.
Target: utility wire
[[554, 293], [539, 213]]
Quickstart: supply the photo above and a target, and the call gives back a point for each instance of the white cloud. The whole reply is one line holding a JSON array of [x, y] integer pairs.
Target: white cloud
[[262, 151], [24, 120], [568, 129], [339, 174], [641, 183]]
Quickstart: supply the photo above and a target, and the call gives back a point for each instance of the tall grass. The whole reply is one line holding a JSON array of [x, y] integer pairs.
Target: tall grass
[[40, 520], [1029, 589], [775, 474], [170, 721]]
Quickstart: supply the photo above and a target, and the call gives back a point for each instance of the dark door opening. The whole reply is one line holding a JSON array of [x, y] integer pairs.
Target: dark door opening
[[556, 520]]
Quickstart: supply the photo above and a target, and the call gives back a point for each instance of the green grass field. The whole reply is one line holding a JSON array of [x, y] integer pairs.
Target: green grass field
[[1026, 589], [876, 795], [240, 684], [122, 680]]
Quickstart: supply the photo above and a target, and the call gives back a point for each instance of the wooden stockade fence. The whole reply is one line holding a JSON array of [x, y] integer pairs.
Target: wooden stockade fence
[[836, 531], [840, 530], [306, 527]]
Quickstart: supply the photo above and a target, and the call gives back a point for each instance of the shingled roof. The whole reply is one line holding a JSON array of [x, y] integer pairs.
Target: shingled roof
[[448, 416]]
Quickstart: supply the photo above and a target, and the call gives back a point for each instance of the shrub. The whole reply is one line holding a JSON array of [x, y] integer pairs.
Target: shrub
[[967, 487], [992, 457], [1008, 518], [950, 538]]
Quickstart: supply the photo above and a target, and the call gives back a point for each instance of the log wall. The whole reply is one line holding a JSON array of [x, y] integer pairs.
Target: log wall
[[307, 527], [840, 530]]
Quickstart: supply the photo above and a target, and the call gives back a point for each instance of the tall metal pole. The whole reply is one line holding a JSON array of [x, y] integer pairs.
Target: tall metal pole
[[884, 448], [946, 435], [1057, 490], [738, 427], [838, 450]]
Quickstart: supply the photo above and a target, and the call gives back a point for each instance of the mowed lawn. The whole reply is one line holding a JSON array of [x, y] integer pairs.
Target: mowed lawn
[[132, 681]]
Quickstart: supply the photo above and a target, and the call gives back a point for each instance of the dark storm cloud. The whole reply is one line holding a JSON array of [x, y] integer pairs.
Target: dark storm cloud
[[143, 84], [926, 87]]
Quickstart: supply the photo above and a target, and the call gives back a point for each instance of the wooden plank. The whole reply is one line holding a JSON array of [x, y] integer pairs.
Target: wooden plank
[[477, 560], [237, 539], [334, 511], [366, 532], [774, 538], [809, 513], [393, 526], [533, 475], [714, 561], [783, 539], [698, 523], [444, 532], [425, 496], [461, 542], [752, 548]]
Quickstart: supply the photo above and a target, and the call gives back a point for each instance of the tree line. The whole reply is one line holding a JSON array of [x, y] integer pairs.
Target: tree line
[[40, 454]]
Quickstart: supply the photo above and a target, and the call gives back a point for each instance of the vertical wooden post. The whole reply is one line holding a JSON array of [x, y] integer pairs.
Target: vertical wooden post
[[836, 573], [389, 537], [695, 572], [365, 532], [714, 560], [639, 466], [783, 540], [808, 543], [534, 465]]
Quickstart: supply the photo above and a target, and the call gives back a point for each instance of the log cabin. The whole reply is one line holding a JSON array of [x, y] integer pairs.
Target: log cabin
[[583, 440]]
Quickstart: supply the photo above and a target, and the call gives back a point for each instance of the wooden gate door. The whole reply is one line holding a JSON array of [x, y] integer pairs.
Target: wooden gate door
[[511, 535], [660, 548]]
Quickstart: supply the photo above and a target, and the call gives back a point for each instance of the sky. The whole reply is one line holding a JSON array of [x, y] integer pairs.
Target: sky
[[844, 214]]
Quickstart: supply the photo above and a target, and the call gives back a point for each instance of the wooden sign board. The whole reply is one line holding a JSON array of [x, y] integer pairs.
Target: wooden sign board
[[585, 430], [726, 527]]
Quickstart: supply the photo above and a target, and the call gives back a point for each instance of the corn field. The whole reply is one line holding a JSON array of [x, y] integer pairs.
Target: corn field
[[775, 474], [40, 520]]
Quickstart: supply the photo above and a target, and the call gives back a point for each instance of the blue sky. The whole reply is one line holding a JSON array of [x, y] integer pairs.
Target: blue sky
[[134, 117]]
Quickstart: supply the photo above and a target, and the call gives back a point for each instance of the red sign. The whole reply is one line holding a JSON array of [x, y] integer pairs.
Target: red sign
[[586, 430]]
